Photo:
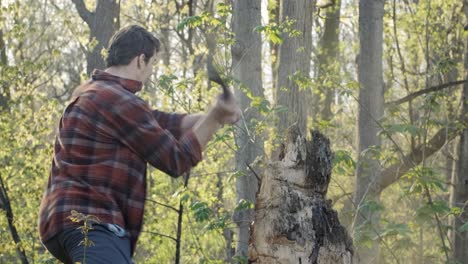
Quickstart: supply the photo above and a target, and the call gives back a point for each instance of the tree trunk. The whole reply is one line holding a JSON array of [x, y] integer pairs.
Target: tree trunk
[[247, 68], [294, 223], [328, 57], [102, 23], [371, 103], [4, 87], [294, 63], [459, 189]]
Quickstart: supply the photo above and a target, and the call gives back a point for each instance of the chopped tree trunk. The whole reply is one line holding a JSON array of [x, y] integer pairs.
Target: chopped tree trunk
[[294, 223]]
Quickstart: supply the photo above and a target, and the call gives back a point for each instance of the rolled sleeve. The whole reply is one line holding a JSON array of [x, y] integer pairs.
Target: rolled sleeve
[[135, 125], [170, 121]]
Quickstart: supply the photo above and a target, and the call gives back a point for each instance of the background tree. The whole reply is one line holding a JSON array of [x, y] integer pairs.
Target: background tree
[[102, 23], [371, 99], [294, 62], [247, 71], [459, 188], [327, 58]]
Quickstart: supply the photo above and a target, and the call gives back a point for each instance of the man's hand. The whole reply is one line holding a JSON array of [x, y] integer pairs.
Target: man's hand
[[225, 110]]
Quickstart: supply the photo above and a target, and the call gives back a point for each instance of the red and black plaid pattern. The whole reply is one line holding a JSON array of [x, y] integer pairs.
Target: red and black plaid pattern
[[106, 136]]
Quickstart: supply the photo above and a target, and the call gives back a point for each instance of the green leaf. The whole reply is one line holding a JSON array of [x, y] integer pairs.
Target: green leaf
[[218, 223], [244, 205], [427, 211], [403, 129], [371, 206], [191, 22], [463, 228], [223, 9], [201, 211], [272, 33], [235, 175], [240, 259], [280, 109], [393, 229], [343, 156]]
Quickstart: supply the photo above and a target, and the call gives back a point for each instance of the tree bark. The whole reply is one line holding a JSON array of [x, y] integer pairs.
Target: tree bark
[[459, 189], [294, 223], [102, 23], [371, 103], [294, 63], [247, 68]]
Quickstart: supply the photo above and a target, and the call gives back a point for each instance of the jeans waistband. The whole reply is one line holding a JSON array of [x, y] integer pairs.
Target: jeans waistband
[[116, 229]]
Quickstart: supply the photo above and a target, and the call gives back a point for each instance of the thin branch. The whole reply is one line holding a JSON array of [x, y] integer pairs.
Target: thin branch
[[439, 224], [256, 175], [424, 91], [84, 13], [5, 204], [410, 160], [161, 235], [165, 205]]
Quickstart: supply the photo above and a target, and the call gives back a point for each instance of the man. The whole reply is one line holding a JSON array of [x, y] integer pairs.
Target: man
[[106, 137]]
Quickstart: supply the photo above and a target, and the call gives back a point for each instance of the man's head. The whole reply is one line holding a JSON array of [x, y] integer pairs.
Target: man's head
[[133, 45]]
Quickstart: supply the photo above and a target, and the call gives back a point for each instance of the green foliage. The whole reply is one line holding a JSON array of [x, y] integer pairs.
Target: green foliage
[[343, 163], [272, 32], [244, 205], [240, 260], [424, 177], [410, 129], [463, 228], [201, 211], [394, 229]]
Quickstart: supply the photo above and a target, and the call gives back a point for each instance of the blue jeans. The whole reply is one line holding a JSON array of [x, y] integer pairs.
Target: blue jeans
[[111, 245]]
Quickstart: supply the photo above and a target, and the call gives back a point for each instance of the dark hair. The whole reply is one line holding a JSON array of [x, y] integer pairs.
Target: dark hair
[[129, 42]]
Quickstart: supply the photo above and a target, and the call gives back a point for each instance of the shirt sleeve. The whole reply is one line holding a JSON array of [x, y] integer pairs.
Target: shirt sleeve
[[170, 121], [133, 123]]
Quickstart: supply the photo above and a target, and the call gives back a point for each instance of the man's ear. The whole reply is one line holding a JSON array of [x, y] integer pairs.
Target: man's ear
[[141, 59]]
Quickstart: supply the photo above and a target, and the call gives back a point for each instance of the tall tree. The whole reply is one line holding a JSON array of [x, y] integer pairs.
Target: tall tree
[[102, 23], [247, 69], [459, 189], [371, 102], [294, 62], [328, 57]]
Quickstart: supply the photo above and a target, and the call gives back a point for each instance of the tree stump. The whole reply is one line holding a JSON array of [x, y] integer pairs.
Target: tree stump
[[294, 223]]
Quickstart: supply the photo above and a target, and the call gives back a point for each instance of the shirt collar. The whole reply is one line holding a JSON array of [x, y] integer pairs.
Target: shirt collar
[[131, 85]]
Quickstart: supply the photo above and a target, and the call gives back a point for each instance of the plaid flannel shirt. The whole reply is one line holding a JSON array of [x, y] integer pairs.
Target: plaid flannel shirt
[[106, 137]]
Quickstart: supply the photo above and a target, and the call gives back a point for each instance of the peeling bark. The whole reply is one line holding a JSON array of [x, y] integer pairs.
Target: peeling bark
[[294, 223]]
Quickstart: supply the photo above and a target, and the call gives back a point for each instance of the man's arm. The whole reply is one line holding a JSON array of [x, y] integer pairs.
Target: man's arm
[[189, 121], [173, 122], [223, 112]]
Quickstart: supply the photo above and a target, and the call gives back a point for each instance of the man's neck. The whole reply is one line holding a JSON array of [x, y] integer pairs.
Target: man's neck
[[122, 72]]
